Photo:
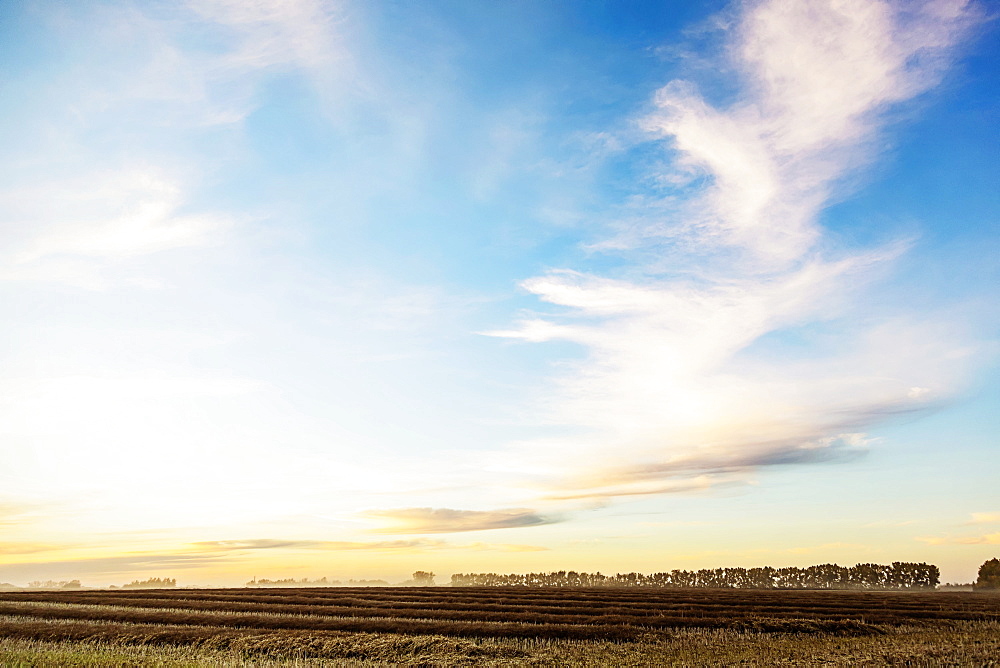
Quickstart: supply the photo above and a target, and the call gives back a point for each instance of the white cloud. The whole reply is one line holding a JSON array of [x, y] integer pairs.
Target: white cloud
[[67, 231], [818, 76], [119, 134], [277, 33], [449, 520], [214, 80], [678, 381]]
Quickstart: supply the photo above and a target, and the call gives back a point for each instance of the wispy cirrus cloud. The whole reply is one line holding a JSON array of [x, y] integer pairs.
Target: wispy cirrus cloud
[[108, 566], [331, 545], [278, 33], [980, 539], [175, 82], [986, 539], [448, 520], [70, 231], [143, 218], [21, 547], [679, 383], [416, 545], [11, 513], [503, 547]]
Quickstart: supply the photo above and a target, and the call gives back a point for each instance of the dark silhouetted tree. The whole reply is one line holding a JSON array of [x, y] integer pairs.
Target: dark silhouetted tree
[[989, 575], [825, 576]]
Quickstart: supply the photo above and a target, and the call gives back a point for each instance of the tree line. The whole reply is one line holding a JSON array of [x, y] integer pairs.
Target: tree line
[[151, 583], [898, 575], [52, 584], [321, 582]]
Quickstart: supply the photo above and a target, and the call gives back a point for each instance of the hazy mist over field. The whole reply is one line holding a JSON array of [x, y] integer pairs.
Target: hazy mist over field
[[304, 288]]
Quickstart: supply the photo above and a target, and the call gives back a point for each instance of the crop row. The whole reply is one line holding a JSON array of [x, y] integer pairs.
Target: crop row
[[565, 602], [600, 597], [649, 622], [300, 644], [194, 599], [612, 629], [276, 622], [659, 617]]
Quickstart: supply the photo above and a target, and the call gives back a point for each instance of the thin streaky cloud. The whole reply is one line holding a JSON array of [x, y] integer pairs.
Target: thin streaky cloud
[[883, 524], [115, 215], [449, 520], [108, 566], [278, 33], [504, 547], [333, 546], [986, 539], [415, 545], [605, 489], [27, 548], [219, 86], [84, 226], [11, 513]]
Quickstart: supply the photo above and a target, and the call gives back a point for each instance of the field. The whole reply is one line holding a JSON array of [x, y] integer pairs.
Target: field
[[497, 626]]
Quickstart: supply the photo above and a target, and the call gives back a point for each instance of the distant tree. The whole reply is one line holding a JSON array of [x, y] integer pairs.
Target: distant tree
[[989, 575], [151, 583], [293, 583], [423, 579], [52, 584], [900, 575]]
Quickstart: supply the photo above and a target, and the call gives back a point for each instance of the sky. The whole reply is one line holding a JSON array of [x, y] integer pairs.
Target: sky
[[330, 288]]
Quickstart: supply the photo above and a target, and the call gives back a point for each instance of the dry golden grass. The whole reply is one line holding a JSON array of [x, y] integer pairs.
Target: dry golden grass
[[720, 628], [960, 644]]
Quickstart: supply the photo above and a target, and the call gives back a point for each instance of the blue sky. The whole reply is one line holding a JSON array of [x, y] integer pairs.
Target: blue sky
[[301, 288]]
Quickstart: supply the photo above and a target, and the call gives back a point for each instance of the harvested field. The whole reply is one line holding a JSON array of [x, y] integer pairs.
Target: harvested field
[[484, 625]]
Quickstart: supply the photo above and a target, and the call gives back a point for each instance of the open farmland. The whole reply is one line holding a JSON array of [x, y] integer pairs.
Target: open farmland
[[500, 625]]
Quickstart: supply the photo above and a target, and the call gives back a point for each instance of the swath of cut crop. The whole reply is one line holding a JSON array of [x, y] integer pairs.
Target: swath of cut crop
[[568, 602], [539, 613], [448, 627], [715, 615], [327, 645]]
